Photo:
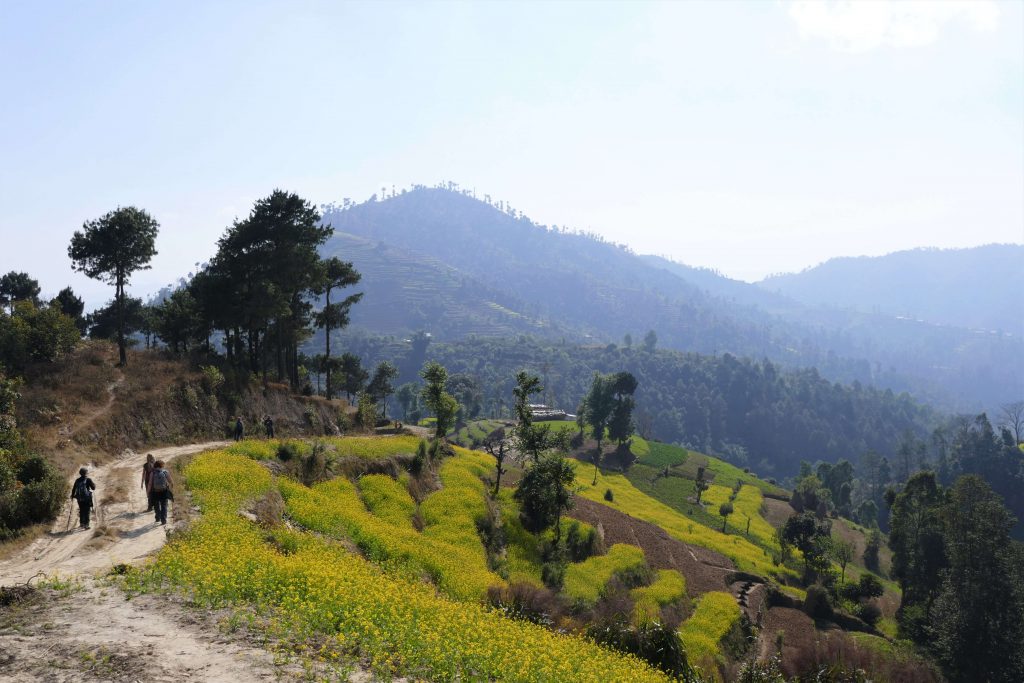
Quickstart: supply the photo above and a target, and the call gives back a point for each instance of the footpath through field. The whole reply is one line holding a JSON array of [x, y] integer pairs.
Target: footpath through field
[[89, 632], [122, 531]]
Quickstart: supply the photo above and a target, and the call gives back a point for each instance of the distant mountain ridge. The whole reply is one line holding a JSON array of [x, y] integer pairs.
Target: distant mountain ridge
[[445, 262], [979, 288]]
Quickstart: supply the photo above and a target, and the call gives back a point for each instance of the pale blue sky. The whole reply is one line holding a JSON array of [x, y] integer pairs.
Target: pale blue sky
[[749, 137]]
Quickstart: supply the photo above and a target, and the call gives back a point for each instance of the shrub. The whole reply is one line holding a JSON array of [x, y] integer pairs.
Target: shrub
[[213, 379], [576, 440], [871, 550], [868, 612], [420, 458], [650, 641], [288, 450], [526, 602], [31, 491], [608, 495], [816, 604], [582, 541], [868, 587], [552, 573]]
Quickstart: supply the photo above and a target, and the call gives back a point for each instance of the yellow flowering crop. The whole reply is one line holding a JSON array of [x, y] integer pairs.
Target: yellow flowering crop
[[669, 586], [309, 589], [585, 580], [747, 505], [714, 617], [630, 500]]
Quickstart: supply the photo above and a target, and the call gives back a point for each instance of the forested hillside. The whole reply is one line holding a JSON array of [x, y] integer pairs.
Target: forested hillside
[[751, 412], [556, 283], [977, 288]]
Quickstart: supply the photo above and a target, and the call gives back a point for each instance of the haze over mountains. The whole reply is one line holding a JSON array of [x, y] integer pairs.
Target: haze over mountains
[[442, 261]]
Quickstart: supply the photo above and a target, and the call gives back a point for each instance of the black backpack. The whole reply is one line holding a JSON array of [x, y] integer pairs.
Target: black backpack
[[81, 490]]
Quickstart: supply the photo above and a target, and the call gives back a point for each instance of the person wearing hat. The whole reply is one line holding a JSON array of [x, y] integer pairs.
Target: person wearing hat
[[81, 491]]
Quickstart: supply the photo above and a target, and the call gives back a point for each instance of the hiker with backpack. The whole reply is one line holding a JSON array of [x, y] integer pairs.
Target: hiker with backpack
[[239, 429], [147, 475], [81, 491], [160, 485], [268, 424]]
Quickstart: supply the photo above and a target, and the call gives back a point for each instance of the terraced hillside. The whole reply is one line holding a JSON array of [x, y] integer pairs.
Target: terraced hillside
[[345, 554]]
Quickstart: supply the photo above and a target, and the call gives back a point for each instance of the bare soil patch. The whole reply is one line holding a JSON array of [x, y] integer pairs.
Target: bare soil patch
[[705, 570], [776, 512], [91, 633]]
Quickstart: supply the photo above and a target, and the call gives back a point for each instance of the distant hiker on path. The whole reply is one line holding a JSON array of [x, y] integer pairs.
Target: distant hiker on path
[[161, 488], [268, 424], [81, 491], [239, 429], [147, 475]]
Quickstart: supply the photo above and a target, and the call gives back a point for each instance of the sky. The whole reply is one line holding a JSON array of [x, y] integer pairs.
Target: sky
[[748, 137]]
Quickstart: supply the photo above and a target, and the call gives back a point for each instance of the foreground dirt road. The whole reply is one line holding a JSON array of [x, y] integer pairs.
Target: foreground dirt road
[[89, 631], [124, 531]]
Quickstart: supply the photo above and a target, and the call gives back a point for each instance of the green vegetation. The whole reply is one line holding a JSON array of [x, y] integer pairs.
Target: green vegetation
[[629, 499], [311, 589], [111, 248], [31, 490], [474, 433], [714, 616], [448, 550], [668, 587], [584, 581], [961, 576]]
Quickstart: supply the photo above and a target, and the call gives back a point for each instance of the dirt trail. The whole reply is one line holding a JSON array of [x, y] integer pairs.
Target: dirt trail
[[90, 418], [124, 531], [93, 633]]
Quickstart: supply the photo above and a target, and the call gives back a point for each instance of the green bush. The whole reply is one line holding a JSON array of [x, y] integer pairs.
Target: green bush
[[213, 379], [288, 450], [31, 491], [816, 603], [868, 612], [580, 542], [651, 641], [608, 495]]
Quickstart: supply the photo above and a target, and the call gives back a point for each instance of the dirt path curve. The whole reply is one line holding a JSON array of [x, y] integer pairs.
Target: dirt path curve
[[91, 633], [90, 418], [124, 532]]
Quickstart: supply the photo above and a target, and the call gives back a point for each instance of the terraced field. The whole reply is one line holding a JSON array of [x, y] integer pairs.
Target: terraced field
[[377, 578], [307, 589]]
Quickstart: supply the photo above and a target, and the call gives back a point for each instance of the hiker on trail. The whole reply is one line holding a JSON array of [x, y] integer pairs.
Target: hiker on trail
[[81, 491], [239, 429], [161, 488], [147, 475], [268, 424]]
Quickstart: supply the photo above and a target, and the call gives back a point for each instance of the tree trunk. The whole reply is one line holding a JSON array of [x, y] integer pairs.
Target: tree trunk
[[327, 341], [280, 355], [119, 295]]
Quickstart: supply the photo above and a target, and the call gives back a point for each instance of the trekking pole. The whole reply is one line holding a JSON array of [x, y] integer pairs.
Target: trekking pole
[[67, 527]]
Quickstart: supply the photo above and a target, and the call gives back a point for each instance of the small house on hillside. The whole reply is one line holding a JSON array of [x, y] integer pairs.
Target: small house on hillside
[[544, 412]]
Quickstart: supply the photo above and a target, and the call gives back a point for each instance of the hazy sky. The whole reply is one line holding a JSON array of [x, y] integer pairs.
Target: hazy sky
[[749, 137]]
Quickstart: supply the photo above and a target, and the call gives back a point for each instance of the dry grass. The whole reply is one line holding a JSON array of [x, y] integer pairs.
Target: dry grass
[[27, 536]]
